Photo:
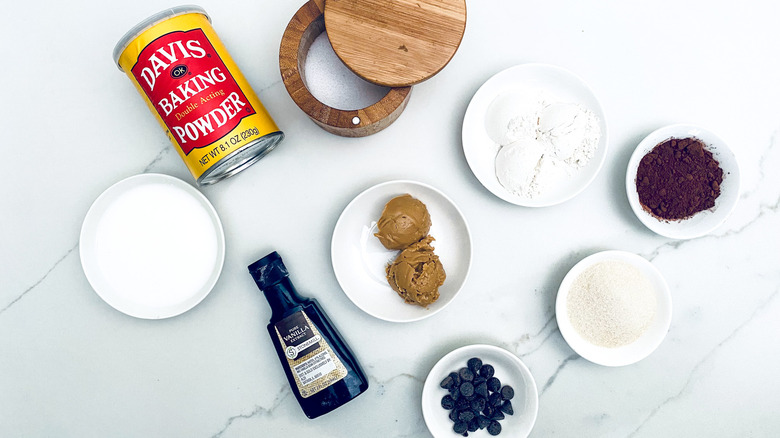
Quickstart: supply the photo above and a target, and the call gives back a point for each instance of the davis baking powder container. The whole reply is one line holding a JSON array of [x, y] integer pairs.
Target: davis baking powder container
[[214, 119]]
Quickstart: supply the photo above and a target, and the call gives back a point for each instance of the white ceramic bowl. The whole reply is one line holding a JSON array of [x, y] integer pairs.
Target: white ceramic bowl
[[509, 369], [627, 354], [481, 150], [359, 259], [700, 223], [152, 246]]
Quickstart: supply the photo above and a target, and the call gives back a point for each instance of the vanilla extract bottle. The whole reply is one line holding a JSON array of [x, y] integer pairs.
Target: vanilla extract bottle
[[320, 367]]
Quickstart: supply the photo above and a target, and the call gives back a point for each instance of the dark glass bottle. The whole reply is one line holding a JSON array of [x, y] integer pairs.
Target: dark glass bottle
[[321, 369]]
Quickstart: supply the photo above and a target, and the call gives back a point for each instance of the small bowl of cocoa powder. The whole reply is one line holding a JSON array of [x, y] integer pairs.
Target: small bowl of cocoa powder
[[682, 181]]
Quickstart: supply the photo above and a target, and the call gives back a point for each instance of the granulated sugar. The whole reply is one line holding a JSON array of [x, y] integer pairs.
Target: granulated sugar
[[611, 304], [333, 84]]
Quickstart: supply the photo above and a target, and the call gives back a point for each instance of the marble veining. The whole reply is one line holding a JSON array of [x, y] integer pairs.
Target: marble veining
[[39, 281], [167, 150], [537, 338], [550, 381], [256, 412], [71, 366], [707, 357]]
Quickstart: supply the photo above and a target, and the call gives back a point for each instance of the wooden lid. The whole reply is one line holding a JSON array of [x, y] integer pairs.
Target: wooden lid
[[395, 43], [302, 30]]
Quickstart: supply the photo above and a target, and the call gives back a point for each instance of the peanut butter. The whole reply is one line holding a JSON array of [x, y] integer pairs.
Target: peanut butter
[[417, 273], [404, 221]]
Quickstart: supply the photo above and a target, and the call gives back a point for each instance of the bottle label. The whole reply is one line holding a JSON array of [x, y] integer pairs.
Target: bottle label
[[313, 363]]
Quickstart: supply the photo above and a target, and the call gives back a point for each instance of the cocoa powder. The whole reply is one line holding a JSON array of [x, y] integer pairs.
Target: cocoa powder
[[678, 179]]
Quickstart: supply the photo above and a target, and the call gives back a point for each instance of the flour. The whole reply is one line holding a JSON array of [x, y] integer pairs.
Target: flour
[[573, 132], [542, 142]]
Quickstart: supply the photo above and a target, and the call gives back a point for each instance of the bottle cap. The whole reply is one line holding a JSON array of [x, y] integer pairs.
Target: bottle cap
[[268, 271]]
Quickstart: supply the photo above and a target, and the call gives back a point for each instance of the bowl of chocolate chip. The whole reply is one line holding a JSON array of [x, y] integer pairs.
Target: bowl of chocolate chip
[[481, 391], [682, 181]]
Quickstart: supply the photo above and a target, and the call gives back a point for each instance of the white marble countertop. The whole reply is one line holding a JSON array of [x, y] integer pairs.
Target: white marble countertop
[[72, 125]]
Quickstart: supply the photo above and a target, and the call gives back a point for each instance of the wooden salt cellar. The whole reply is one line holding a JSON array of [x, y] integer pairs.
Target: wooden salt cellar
[[395, 43]]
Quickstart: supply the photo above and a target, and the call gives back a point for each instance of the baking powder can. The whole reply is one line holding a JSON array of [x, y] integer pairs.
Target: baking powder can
[[213, 118]]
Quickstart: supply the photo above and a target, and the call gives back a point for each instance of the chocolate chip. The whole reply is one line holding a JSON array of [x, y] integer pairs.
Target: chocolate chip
[[494, 428], [478, 404], [466, 375], [467, 389], [507, 392], [474, 364], [447, 382], [487, 371], [481, 389], [495, 399], [507, 408], [476, 399], [455, 378], [493, 384], [466, 416]]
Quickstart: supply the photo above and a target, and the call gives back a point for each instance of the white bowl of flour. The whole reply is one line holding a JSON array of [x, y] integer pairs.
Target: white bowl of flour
[[535, 135]]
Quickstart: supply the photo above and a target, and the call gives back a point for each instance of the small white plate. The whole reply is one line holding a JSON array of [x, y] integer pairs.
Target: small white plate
[[509, 369], [152, 246], [700, 223], [480, 149], [359, 259], [637, 350]]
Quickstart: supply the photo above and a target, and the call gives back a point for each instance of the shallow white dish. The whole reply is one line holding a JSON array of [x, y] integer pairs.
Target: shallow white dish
[[152, 246], [700, 223], [627, 354], [480, 149], [359, 259], [509, 369]]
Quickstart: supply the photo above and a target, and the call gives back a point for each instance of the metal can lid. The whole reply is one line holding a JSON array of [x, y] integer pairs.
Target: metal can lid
[[151, 21]]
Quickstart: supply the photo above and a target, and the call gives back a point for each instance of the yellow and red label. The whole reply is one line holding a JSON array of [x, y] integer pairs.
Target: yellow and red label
[[197, 92]]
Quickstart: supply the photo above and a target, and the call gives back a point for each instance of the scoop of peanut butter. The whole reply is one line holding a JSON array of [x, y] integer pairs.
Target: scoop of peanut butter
[[417, 273], [404, 221]]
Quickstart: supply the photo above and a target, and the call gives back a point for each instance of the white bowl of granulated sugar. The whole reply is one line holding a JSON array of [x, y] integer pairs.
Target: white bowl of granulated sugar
[[614, 308]]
